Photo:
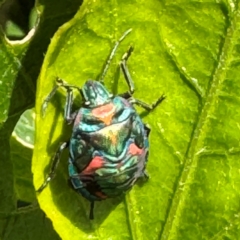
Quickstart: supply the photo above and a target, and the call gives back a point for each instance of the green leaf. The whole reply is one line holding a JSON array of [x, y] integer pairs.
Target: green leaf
[[21, 154], [28, 223], [12, 74], [186, 49]]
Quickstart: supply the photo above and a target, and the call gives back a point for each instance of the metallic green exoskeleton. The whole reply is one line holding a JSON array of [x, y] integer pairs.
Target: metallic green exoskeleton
[[108, 149]]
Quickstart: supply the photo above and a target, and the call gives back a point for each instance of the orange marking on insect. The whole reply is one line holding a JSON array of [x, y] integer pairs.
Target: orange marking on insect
[[134, 149], [104, 113], [113, 137], [95, 164]]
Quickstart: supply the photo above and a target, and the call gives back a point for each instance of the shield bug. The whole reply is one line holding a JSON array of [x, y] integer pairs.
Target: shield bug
[[108, 149]]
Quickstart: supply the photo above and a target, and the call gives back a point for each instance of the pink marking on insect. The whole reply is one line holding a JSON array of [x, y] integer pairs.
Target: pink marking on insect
[[101, 195], [104, 113], [77, 119], [134, 149], [95, 164]]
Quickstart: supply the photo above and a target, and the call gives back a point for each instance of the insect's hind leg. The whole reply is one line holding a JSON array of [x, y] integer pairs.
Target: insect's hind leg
[[54, 164]]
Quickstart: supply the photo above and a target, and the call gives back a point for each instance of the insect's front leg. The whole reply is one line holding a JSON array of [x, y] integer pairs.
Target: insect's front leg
[[68, 115], [54, 164]]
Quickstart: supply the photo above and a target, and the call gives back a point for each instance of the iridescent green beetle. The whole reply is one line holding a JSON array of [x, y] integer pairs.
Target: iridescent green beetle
[[108, 149]]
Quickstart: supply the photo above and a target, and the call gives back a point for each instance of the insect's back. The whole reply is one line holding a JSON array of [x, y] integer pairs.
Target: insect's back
[[109, 147]]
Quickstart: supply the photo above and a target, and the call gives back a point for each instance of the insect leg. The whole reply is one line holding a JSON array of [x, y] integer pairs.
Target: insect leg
[[68, 115], [148, 107], [54, 165], [123, 65], [48, 99], [91, 210], [147, 129], [128, 78], [112, 55], [80, 186]]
